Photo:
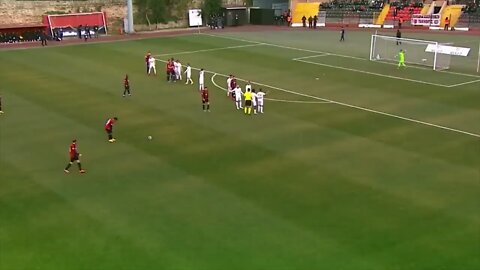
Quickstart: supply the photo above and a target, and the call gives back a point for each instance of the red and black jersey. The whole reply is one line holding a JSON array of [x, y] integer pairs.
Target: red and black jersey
[[233, 83], [109, 124], [147, 57], [73, 150], [205, 95], [170, 66], [126, 83]]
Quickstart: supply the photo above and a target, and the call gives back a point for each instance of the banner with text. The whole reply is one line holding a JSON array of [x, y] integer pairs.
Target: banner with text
[[450, 50], [426, 20]]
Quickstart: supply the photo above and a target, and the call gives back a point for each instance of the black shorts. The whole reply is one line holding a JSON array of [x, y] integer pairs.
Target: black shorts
[[74, 158], [109, 131], [248, 103], [205, 101], [127, 87]]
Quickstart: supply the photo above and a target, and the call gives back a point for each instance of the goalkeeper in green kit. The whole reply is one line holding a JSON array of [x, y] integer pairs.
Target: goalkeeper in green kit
[[401, 59]]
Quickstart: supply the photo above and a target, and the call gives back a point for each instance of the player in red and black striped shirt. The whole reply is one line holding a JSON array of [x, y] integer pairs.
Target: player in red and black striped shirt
[[74, 156], [1, 105], [147, 57], [109, 128], [126, 84], [205, 101], [233, 85]]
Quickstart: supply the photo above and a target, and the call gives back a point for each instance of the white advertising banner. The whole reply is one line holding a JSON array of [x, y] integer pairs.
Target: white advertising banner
[[195, 17], [426, 20], [444, 49]]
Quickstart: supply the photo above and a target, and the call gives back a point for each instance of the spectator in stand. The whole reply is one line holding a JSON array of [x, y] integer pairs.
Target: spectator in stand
[[447, 24], [315, 20], [310, 22], [304, 21]]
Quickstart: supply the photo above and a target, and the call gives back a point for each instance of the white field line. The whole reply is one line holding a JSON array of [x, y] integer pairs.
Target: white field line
[[371, 73], [329, 53], [210, 50], [271, 99], [273, 87], [464, 83], [312, 56], [354, 106], [431, 69], [285, 47]]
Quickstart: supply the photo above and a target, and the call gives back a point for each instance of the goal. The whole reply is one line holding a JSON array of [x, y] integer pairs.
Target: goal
[[417, 52]]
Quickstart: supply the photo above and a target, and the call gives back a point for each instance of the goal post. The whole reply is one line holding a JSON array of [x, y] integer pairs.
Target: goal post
[[417, 52]]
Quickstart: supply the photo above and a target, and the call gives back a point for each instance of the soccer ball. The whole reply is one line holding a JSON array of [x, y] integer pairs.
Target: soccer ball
[[149, 137]]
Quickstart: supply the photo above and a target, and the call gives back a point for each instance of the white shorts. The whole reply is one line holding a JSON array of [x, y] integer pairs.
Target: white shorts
[[238, 98], [200, 86], [260, 103]]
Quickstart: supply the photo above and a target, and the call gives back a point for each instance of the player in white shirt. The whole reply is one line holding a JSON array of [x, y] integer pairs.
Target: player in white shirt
[[238, 97], [179, 76], [254, 101], [201, 80], [151, 65], [188, 72], [229, 86], [260, 96], [248, 87]]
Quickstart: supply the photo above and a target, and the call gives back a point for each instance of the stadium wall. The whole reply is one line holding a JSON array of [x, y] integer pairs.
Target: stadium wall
[[22, 12]]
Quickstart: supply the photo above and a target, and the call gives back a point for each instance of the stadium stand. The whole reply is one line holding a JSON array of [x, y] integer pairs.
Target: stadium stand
[[304, 9]]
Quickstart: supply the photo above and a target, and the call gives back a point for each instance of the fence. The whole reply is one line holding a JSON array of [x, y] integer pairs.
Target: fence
[[469, 20], [351, 17]]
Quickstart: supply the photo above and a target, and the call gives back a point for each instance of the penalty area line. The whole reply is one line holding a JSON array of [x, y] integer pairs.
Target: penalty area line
[[211, 50], [328, 53], [271, 99], [356, 107]]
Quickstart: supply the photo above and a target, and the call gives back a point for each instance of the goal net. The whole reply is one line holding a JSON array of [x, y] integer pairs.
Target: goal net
[[417, 52]]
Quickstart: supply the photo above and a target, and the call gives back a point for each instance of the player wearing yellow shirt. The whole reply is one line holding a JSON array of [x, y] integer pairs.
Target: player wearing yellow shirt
[[248, 102], [401, 59]]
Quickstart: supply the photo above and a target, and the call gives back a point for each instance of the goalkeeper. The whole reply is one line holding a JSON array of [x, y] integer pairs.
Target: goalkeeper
[[401, 59]]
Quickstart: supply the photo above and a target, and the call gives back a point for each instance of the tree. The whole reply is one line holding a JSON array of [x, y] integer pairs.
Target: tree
[[151, 11], [211, 7]]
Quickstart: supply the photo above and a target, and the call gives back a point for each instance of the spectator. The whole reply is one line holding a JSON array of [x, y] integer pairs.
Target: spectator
[[310, 22], [315, 20], [304, 21]]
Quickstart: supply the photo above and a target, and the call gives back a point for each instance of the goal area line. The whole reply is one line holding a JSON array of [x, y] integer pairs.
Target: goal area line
[[303, 60], [324, 53]]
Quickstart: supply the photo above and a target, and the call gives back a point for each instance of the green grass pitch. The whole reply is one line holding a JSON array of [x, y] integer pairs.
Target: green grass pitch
[[355, 165]]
